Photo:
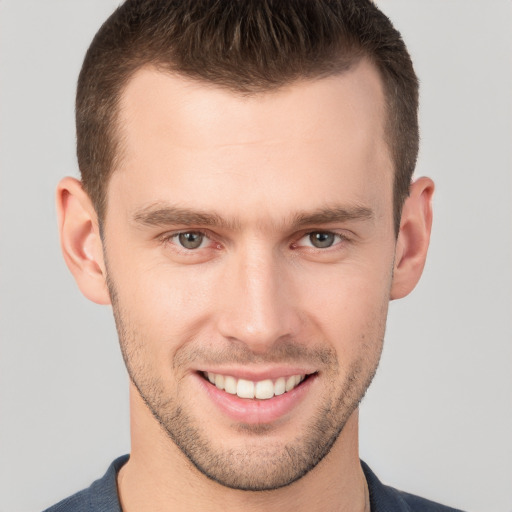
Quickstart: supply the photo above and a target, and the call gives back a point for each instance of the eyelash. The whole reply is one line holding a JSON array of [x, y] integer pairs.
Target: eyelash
[[168, 238], [341, 239]]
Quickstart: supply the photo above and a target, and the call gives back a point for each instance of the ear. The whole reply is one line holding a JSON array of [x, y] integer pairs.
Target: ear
[[80, 240], [413, 238]]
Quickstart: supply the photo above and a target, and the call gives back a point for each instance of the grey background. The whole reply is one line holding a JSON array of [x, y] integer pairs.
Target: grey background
[[438, 418]]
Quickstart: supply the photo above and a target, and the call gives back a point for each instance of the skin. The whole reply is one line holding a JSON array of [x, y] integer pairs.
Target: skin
[[252, 175]]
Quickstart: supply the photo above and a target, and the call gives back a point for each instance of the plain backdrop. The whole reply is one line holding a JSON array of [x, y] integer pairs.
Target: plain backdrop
[[437, 420]]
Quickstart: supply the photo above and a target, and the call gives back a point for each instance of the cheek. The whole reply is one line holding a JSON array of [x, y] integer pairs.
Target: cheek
[[164, 304], [349, 307]]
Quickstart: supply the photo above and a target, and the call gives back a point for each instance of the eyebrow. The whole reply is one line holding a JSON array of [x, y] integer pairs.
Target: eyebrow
[[334, 214], [166, 215]]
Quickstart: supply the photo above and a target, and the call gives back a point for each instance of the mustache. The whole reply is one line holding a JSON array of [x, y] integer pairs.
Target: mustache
[[286, 351]]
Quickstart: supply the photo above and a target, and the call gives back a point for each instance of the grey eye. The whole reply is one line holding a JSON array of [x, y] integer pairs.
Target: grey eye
[[322, 239], [191, 240]]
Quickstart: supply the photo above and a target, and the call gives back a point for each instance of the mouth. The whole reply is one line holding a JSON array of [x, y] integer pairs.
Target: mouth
[[257, 399], [260, 390]]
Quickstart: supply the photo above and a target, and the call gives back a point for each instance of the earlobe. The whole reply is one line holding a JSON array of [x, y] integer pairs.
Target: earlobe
[[80, 240], [413, 238]]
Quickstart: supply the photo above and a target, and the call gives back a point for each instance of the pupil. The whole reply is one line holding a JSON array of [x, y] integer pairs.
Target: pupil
[[191, 240], [322, 240]]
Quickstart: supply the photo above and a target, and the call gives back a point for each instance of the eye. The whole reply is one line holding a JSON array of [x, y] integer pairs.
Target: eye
[[320, 239], [190, 240]]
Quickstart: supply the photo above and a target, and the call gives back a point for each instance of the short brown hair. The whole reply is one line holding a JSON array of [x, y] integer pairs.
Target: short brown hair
[[247, 46]]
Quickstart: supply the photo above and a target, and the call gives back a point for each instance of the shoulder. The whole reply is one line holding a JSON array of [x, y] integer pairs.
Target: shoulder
[[418, 504], [79, 502], [101, 496], [388, 499]]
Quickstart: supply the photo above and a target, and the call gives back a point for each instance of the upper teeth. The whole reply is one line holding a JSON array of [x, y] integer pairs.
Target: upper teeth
[[262, 389]]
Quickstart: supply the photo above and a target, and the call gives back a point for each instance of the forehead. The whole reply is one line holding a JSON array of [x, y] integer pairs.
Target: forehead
[[184, 140], [188, 108]]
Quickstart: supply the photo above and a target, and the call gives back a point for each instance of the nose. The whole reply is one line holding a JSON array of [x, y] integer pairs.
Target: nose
[[257, 301]]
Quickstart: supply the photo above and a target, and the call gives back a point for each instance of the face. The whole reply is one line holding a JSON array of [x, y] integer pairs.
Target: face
[[249, 246]]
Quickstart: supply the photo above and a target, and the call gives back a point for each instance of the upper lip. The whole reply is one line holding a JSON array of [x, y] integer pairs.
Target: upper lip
[[259, 374]]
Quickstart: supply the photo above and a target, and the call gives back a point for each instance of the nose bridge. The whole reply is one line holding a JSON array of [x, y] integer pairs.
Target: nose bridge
[[256, 309]]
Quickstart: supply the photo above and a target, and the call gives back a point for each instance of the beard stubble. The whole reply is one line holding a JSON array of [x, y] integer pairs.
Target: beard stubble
[[262, 464]]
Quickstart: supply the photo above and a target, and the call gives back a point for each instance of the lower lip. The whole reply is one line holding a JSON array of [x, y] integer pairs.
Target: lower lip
[[254, 411]]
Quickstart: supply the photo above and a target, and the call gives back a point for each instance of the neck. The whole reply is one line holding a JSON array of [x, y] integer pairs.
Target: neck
[[159, 478]]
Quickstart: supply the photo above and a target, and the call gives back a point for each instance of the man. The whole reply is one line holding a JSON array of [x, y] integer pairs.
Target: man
[[246, 206]]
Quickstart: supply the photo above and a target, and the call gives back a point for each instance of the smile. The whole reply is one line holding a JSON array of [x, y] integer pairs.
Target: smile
[[261, 390]]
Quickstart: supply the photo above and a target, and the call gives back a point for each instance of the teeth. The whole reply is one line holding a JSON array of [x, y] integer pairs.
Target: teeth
[[219, 381], [245, 388], [230, 385], [291, 382], [280, 386], [262, 390]]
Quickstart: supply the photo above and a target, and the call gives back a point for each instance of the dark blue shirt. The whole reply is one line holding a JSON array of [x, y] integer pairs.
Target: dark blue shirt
[[102, 496]]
